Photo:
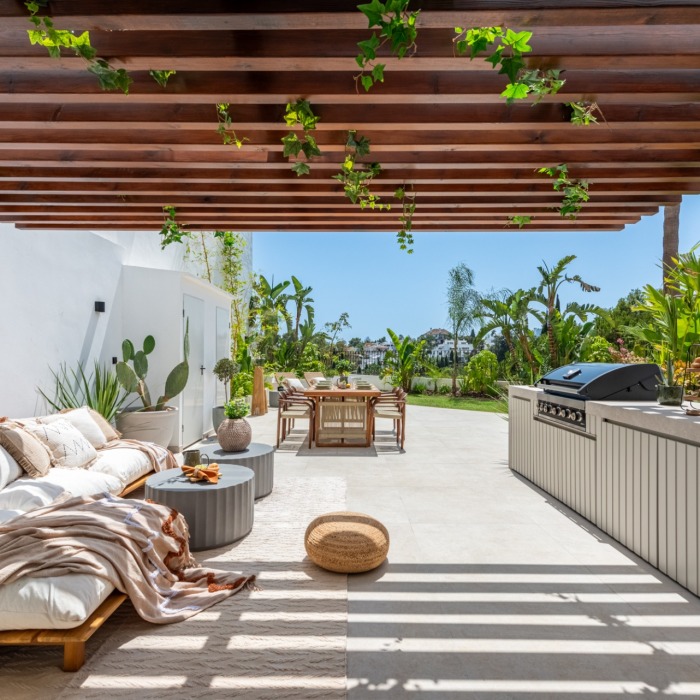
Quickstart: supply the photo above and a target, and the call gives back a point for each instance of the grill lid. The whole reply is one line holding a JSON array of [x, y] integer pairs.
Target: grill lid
[[603, 381]]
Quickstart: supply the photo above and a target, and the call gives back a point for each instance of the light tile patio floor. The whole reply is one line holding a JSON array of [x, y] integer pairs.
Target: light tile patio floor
[[493, 589]]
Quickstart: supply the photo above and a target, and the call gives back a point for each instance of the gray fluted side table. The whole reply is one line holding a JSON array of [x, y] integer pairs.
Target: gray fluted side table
[[216, 514], [258, 457]]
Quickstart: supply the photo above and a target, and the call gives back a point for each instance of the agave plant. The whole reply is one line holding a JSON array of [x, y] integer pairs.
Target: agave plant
[[74, 388]]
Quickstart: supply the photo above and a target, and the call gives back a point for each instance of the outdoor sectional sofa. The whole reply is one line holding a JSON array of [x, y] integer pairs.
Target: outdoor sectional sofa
[[86, 458]]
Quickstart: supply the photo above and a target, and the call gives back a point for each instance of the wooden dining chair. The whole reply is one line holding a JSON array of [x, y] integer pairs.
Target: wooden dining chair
[[294, 406], [391, 405]]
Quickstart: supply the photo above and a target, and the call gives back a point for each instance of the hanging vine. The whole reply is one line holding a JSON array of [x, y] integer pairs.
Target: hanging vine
[[508, 48], [357, 177], [225, 127], [408, 209], [46, 35], [171, 231], [396, 26], [575, 191], [518, 220], [300, 114], [161, 76], [583, 112]]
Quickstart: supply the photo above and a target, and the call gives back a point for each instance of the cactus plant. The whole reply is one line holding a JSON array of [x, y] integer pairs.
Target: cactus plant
[[133, 376]]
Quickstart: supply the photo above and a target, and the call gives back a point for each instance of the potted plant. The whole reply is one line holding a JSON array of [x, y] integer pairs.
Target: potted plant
[[234, 433], [151, 422], [343, 367], [224, 369]]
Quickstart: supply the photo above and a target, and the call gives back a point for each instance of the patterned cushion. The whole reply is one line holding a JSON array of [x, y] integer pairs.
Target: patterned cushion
[[80, 419], [67, 445], [30, 453]]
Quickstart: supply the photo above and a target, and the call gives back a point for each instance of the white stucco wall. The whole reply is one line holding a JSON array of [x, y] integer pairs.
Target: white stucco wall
[[49, 281]]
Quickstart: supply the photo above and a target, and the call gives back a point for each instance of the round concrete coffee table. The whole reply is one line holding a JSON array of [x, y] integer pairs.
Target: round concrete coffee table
[[258, 457], [216, 514]]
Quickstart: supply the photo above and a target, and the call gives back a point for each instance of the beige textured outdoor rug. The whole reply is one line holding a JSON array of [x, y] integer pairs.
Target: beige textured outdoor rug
[[285, 641]]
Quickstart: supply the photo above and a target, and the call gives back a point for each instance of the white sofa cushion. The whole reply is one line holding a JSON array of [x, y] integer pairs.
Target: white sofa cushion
[[67, 445], [125, 463], [57, 602], [25, 494], [82, 420], [9, 469]]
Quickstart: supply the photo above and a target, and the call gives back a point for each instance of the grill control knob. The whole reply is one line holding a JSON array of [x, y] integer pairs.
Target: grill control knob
[[578, 418], [561, 412]]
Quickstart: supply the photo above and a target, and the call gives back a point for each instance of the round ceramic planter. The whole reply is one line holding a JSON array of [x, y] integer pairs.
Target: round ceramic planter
[[148, 426], [234, 434]]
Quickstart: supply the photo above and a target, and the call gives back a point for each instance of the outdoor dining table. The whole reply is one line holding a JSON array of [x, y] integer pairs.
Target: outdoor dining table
[[343, 417]]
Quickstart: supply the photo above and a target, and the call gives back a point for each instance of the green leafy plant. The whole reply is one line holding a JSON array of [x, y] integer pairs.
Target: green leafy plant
[[225, 127], [408, 209], [299, 113], [583, 112], [419, 388], [224, 370], [575, 191], [132, 376], [236, 408], [161, 76], [242, 383], [508, 48], [343, 366], [402, 361], [45, 34], [171, 231], [356, 178], [74, 388], [518, 221], [481, 373], [396, 26]]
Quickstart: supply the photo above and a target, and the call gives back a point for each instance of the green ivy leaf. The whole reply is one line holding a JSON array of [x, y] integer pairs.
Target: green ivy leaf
[[378, 73], [515, 91], [367, 82], [373, 11], [162, 77], [292, 145], [301, 168]]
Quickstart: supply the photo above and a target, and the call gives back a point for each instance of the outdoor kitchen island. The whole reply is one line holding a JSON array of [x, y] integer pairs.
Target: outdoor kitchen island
[[631, 468]]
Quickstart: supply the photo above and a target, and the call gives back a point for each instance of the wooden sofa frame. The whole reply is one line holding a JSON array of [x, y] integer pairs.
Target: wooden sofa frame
[[73, 640]]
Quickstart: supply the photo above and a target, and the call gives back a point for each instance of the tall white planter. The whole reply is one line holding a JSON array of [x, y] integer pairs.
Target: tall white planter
[[148, 426]]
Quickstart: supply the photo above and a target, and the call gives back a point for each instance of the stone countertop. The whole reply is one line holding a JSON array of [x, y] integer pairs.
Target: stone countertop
[[648, 416]]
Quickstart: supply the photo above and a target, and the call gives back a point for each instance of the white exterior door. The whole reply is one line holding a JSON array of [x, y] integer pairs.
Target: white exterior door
[[193, 395]]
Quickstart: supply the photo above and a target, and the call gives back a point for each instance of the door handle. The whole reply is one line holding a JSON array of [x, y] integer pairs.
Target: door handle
[[201, 369]]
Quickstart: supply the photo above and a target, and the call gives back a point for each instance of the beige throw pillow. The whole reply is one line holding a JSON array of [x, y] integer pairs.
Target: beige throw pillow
[[67, 445], [105, 426], [80, 419], [30, 453]]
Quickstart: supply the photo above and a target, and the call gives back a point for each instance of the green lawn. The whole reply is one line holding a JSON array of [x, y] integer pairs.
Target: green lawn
[[467, 403]]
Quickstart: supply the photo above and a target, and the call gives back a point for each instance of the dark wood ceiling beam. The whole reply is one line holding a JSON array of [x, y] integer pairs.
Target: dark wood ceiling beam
[[315, 16], [179, 117]]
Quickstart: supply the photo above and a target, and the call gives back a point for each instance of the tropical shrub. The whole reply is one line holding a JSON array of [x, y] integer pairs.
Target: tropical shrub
[[401, 363], [242, 384], [595, 349], [419, 388], [481, 373]]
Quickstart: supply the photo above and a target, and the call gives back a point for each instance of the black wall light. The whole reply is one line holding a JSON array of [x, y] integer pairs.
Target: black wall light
[[99, 306]]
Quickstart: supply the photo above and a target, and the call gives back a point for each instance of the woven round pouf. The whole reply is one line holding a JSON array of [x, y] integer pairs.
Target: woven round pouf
[[347, 543]]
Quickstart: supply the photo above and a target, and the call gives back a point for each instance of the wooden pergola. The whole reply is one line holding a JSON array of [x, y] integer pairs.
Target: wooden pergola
[[74, 156]]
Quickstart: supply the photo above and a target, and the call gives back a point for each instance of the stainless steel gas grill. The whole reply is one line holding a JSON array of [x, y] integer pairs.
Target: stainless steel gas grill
[[567, 389]]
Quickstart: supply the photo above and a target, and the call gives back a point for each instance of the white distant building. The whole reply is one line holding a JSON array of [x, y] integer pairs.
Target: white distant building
[[443, 350], [373, 353]]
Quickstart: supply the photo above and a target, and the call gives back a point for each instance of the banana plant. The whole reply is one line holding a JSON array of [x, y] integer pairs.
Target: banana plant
[[402, 362], [132, 376]]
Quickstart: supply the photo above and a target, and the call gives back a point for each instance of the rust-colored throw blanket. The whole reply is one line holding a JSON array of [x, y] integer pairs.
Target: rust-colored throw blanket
[[160, 457], [138, 546]]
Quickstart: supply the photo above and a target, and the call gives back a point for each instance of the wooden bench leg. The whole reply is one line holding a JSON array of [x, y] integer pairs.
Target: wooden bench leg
[[73, 656]]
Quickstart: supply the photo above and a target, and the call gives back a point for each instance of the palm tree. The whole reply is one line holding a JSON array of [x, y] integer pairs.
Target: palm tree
[[547, 294], [302, 300], [462, 306]]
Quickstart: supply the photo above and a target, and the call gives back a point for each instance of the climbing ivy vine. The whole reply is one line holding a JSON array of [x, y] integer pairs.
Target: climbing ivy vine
[[507, 50], [396, 26], [408, 209], [45, 34], [357, 177], [161, 76], [518, 220], [225, 127], [299, 113], [575, 191]]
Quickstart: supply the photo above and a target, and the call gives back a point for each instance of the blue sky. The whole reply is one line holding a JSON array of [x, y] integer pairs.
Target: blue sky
[[381, 286]]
